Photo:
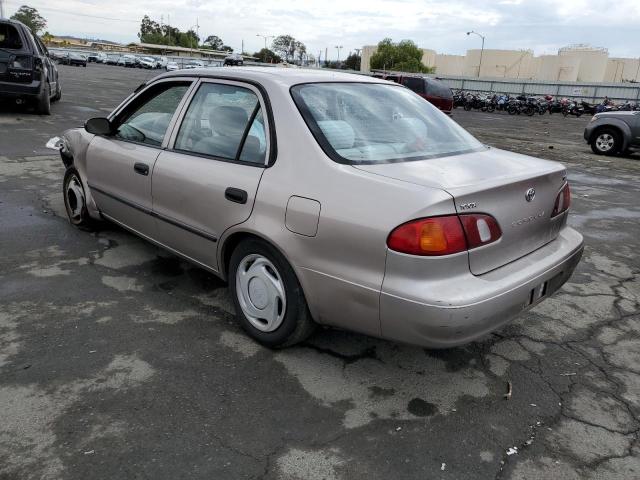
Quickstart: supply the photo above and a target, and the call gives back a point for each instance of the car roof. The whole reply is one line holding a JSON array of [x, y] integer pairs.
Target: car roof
[[284, 76]]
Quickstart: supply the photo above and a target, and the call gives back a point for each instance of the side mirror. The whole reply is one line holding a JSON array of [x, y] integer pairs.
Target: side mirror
[[98, 126]]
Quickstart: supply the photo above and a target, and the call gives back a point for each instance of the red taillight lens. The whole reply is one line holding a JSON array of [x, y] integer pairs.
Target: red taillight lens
[[480, 229], [563, 201], [429, 236]]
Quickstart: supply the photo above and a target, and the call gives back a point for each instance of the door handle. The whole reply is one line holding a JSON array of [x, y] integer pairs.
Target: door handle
[[236, 195], [141, 168]]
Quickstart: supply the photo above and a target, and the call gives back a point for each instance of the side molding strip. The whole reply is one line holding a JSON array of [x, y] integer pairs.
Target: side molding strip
[[157, 215]]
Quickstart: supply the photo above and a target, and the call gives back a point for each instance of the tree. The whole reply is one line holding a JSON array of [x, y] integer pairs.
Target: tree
[[267, 56], [288, 47], [404, 56], [30, 17], [352, 62], [214, 42], [46, 38]]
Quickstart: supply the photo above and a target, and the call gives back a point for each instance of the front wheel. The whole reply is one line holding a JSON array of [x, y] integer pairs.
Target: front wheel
[[606, 142], [267, 296], [75, 200]]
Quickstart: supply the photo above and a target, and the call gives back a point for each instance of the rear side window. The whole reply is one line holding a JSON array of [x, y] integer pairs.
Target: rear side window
[[224, 121], [146, 120], [415, 84], [438, 89], [9, 37]]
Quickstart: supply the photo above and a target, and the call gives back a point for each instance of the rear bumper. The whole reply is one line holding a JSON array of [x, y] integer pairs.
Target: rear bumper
[[14, 89], [455, 309]]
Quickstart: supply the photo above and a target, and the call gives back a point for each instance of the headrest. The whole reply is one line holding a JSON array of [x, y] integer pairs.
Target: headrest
[[338, 132], [228, 121]]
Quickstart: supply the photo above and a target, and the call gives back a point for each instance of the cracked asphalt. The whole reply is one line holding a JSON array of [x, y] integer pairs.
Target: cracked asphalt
[[118, 360]]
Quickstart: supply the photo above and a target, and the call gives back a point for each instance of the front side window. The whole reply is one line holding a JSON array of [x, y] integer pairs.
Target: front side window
[[378, 123], [147, 119], [226, 122]]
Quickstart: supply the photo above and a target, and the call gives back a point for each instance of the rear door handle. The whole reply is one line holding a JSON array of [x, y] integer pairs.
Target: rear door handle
[[141, 168], [236, 195]]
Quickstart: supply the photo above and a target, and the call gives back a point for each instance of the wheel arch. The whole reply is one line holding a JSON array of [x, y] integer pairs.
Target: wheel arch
[[614, 124], [232, 240]]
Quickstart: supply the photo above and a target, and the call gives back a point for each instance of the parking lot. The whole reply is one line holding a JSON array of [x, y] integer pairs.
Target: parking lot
[[117, 360]]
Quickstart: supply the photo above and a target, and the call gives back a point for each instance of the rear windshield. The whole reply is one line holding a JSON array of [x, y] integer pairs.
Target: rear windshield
[[438, 89], [415, 84], [9, 37], [378, 123]]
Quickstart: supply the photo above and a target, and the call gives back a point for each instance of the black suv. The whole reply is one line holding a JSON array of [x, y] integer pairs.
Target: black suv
[[26, 71]]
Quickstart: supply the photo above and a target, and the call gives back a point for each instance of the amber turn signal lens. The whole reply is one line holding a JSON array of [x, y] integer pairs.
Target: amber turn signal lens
[[429, 236]]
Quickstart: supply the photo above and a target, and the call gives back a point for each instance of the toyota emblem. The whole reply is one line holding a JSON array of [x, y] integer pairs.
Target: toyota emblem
[[530, 195]]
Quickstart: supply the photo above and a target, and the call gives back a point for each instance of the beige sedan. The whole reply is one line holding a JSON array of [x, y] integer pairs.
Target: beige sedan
[[327, 198]]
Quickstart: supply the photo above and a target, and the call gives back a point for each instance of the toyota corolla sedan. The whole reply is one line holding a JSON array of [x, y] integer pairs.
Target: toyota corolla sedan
[[327, 198]]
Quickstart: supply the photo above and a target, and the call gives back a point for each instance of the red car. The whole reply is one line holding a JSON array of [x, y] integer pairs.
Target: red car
[[430, 89]]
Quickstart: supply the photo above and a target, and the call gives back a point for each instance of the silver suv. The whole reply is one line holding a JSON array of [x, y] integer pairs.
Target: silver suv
[[613, 133]]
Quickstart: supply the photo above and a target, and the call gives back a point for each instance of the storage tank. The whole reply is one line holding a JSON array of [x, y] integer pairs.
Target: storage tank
[[592, 61], [450, 64], [622, 70], [428, 57], [365, 57], [499, 63]]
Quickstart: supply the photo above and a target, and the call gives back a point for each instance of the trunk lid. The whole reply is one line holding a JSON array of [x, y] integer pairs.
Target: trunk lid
[[493, 182]]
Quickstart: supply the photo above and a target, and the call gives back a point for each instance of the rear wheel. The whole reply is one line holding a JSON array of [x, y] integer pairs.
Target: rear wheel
[[467, 106], [44, 101], [75, 200], [267, 296], [606, 142], [58, 94]]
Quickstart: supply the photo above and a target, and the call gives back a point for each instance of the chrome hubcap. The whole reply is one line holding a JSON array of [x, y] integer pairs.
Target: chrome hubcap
[[604, 142], [261, 293], [75, 198]]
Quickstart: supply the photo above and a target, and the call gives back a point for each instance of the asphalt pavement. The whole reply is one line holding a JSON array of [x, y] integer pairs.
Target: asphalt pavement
[[118, 360]]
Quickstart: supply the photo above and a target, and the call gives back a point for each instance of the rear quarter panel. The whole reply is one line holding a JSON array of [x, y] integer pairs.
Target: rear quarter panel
[[341, 268]]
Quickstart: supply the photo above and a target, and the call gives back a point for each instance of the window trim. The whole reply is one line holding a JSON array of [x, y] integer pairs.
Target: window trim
[[263, 104], [134, 96], [328, 149]]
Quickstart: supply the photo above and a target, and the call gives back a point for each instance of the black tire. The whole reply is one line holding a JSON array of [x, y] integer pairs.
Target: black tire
[[512, 110], [44, 101], [58, 94], [491, 108], [297, 323], [565, 112], [597, 146], [467, 106], [529, 110], [81, 218]]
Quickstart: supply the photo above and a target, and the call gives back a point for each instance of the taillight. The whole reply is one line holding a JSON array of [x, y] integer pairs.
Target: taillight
[[445, 235], [563, 201], [429, 236], [480, 229], [20, 62]]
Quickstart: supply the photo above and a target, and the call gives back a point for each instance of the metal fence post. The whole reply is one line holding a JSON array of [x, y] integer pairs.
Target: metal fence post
[[595, 92]]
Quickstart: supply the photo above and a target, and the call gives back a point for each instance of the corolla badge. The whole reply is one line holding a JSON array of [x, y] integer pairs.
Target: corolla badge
[[530, 194]]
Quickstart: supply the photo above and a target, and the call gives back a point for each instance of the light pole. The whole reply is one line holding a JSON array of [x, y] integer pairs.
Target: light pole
[[481, 49], [191, 37], [265, 38], [339, 47]]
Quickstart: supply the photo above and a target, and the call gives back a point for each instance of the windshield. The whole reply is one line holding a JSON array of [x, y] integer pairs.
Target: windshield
[[378, 123]]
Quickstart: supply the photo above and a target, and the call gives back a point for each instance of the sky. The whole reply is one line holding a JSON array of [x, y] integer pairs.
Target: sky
[[441, 25]]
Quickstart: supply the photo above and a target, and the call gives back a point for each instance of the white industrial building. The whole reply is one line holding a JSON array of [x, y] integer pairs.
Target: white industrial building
[[574, 63]]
